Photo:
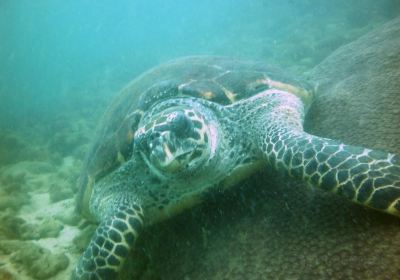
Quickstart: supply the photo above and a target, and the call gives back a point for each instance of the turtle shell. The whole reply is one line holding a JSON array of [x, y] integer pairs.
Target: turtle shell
[[216, 79]]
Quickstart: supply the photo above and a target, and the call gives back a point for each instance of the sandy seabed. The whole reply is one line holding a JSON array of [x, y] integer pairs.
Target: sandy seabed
[[40, 232]]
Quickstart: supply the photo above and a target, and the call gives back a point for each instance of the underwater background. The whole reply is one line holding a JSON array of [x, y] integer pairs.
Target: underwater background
[[62, 62]]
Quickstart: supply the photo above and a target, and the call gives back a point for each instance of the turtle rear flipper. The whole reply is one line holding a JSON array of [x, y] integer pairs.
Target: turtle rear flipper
[[111, 243]]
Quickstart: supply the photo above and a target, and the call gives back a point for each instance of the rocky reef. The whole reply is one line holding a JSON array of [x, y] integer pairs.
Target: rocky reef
[[37, 221]]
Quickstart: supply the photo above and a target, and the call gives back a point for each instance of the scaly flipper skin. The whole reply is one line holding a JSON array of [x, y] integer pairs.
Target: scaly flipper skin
[[362, 175], [111, 243]]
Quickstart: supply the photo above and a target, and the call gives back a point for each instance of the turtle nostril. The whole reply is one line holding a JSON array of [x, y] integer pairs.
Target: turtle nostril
[[155, 135]]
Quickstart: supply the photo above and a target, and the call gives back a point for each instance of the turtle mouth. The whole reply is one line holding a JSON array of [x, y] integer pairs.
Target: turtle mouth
[[173, 162], [169, 153]]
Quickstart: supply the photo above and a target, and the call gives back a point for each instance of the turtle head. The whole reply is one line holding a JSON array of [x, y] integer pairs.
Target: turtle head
[[179, 138]]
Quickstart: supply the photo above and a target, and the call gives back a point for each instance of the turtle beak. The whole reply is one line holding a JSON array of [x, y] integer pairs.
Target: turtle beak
[[161, 154], [169, 156]]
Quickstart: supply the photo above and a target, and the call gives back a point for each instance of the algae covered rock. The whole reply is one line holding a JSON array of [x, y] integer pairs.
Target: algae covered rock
[[19, 181], [12, 194], [5, 274], [63, 185], [12, 200], [26, 176], [60, 192], [69, 136], [358, 91], [49, 227], [39, 262], [11, 226], [15, 148], [69, 216]]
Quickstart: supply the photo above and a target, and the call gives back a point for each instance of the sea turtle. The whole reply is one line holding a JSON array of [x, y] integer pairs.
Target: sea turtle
[[196, 125]]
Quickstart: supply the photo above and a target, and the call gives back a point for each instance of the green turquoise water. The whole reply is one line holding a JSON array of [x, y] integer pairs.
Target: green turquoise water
[[57, 56]]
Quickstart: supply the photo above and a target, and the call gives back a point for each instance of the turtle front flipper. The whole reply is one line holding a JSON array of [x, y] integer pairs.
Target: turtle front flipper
[[362, 175], [370, 177], [111, 243]]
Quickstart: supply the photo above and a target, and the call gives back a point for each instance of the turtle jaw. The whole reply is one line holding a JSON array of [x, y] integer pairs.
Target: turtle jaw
[[172, 154]]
